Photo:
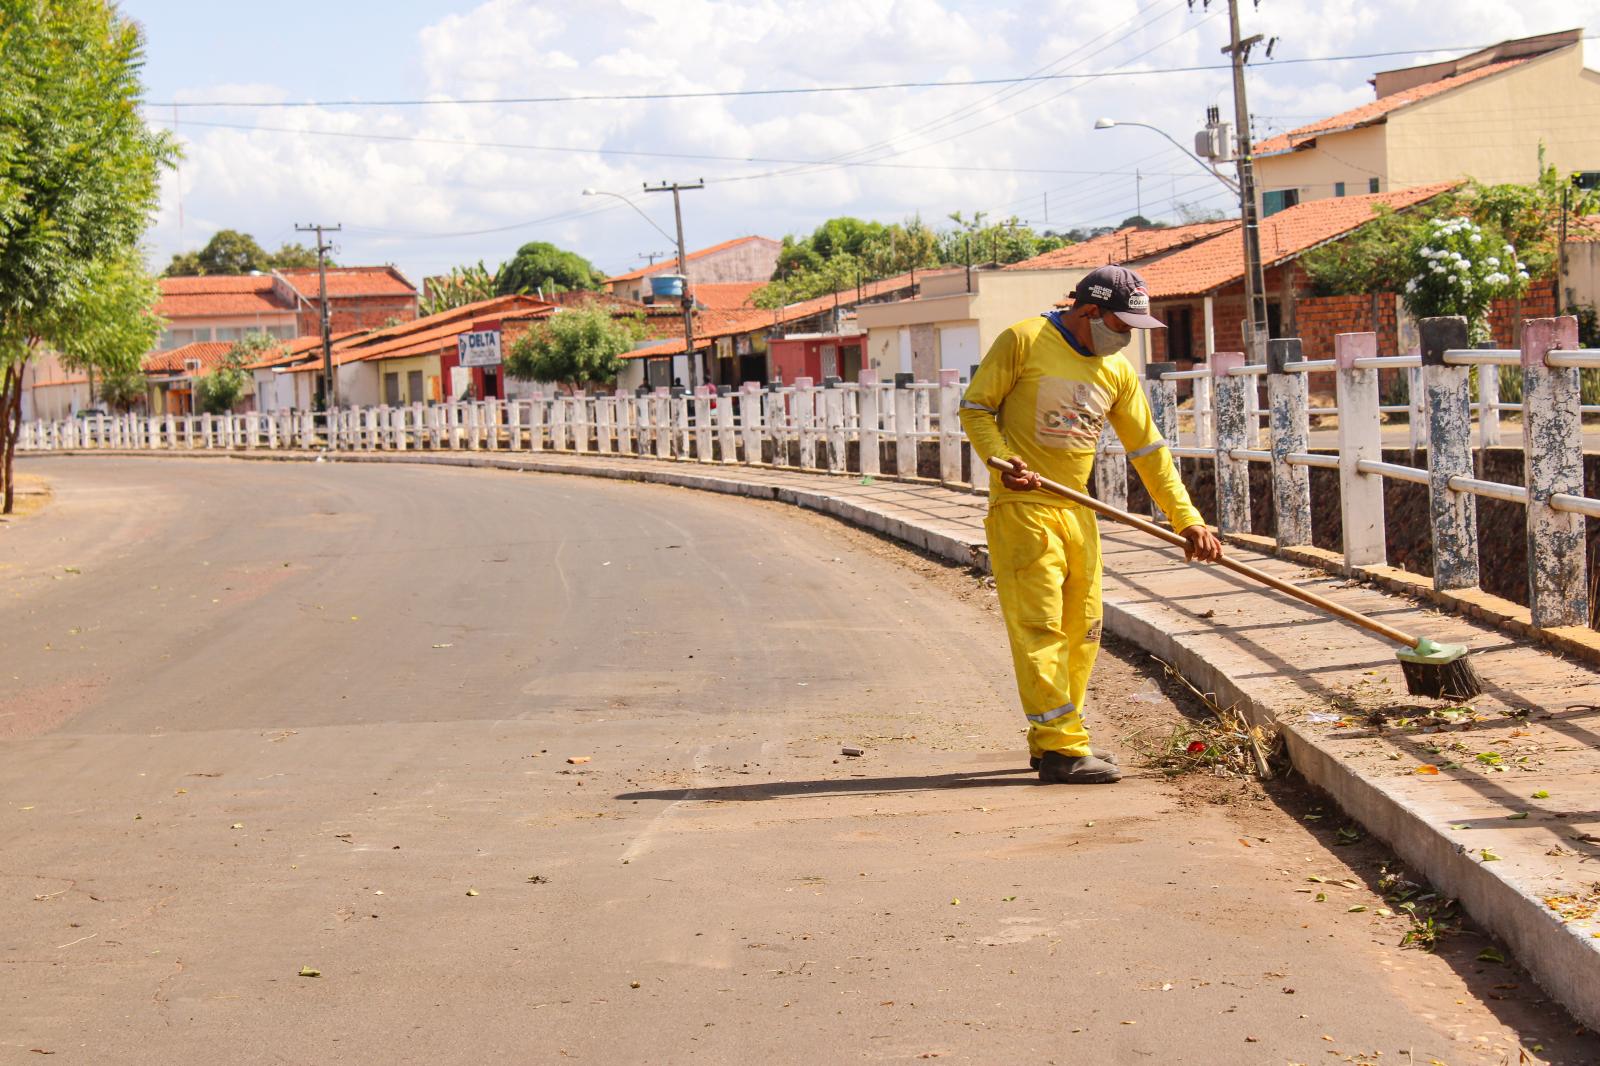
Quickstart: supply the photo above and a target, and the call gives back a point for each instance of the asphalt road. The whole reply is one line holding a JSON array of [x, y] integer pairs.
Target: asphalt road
[[256, 717]]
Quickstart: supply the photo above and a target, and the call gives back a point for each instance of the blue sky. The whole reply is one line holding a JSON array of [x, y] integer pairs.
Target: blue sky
[[424, 204]]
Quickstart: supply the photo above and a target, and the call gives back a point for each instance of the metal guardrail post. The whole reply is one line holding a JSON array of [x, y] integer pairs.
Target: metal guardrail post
[[870, 458], [1163, 397], [1289, 425], [1360, 437], [1552, 456], [1447, 406], [1231, 393], [1110, 471], [949, 426]]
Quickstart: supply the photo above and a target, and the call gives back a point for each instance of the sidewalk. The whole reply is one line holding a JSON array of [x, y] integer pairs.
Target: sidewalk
[[1473, 828]]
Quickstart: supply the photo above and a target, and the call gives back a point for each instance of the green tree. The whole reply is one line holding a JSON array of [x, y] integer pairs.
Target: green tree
[[540, 266], [464, 284], [110, 322], [122, 389], [231, 251], [1459, 267], [293, 257], [221, 390], [578, 346], [78, 182]]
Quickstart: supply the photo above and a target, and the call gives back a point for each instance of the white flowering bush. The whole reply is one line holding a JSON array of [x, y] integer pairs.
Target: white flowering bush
[[1457, 267]]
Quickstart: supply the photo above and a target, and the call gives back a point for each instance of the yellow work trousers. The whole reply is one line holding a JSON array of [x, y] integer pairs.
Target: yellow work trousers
[[1046, 563]]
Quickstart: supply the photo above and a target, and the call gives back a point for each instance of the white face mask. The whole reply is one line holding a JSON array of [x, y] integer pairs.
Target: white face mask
[[1107, 340]]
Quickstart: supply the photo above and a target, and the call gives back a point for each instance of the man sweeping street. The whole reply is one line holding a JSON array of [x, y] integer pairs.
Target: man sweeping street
[[1039, 400]]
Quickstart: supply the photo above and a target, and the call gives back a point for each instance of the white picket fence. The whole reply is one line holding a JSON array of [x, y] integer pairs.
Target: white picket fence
[[878, 428]]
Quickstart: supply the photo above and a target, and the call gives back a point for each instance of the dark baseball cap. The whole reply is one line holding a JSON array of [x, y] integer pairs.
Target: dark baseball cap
[[1119, 290]]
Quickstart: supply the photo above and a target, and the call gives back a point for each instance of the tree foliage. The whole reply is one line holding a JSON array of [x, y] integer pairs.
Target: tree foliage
[[577, 346], [464, 284], [845, 251], [221, 390], [541, 266], [122, 389], [231, 251], [78, 182], [1457, 267]]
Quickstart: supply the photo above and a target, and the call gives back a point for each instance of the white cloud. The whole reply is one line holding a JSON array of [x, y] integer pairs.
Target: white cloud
[[265, 181]]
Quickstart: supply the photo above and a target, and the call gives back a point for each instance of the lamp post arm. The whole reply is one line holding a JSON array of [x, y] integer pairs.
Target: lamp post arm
[[637, 208], [1232, 185]]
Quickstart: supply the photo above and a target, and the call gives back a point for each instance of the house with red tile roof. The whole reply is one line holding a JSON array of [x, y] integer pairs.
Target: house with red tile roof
[[282, 304], [1490, 115], [415, 361], [1198, 290], [741, 260], [732, 342]]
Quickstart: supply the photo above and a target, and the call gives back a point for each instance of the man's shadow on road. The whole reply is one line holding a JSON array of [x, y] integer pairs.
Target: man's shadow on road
[[842, 786]]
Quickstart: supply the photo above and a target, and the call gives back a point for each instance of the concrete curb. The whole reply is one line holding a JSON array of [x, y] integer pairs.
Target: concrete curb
[[1565, 960]]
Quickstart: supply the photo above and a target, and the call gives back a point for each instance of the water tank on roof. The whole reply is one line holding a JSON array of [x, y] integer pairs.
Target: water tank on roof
[[667, 286]]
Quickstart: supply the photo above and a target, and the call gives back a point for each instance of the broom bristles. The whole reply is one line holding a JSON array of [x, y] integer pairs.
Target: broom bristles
[[1454, 680]]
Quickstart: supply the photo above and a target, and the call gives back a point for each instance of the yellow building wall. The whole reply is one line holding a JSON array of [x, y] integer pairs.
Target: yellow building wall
[[1491, 130], [432, 386], [1006, 297], [1354, 157]]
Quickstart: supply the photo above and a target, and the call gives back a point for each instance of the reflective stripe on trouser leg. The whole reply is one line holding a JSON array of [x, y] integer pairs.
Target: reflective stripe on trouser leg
[[1046, 563]]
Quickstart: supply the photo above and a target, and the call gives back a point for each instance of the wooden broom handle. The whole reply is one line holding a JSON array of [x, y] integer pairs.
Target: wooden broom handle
[[1243, 569]]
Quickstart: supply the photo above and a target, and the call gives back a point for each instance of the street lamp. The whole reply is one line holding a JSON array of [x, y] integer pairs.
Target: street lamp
[[1108, 123], [630, 203]]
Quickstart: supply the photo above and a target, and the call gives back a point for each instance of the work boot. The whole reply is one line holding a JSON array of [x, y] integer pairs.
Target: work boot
[[1058, 769], [1103, 756]]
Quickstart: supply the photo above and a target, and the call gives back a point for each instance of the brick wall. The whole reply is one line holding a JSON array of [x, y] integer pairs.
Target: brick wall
[[356, 312]]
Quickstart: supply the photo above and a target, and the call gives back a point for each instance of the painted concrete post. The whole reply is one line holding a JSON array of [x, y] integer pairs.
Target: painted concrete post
[[804, 407], [604, 433], [1288, 395], [473, 442], [1552, 456], [272, 432], [1489, 404], [1163, 397], [100, 430], [398, 419], [153, 433], [1110, 470], [661, 422], [905, 425], [1448, 414], [172, 430], [833, 399], [1231, 394], [870, 457], [750, 421], [680, 421], [1416, 417], [582, 420], [727, 438], [558, 423], [1203, 436], [1360, 437], [922, 401], [949, 426], [702, 422], [490, 414]]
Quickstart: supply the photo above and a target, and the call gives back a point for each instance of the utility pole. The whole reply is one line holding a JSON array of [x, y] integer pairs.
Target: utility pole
[[683, 268], [1255, 295], [330, 399]]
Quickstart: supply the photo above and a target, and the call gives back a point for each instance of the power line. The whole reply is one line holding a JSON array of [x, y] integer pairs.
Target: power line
[[804, 90], [596, 150]]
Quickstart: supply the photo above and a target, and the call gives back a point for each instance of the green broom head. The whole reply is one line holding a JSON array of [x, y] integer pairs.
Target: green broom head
[[1439, 671]]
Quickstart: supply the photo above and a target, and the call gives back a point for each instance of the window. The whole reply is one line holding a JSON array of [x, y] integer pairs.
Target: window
[[1586, 179], [177, 338], [391, 389], [1372, 185], [1278, 200], [1338, 188]]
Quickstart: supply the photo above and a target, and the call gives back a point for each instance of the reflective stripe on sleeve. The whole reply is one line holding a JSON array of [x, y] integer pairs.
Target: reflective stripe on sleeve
[[1147, 449], [1051, 715], [968, 405]]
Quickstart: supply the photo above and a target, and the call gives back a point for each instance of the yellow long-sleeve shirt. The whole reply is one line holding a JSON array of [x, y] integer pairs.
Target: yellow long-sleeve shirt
[[1037, 397]]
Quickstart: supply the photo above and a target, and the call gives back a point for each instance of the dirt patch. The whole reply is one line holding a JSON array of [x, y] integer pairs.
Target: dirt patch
[[32, 495]]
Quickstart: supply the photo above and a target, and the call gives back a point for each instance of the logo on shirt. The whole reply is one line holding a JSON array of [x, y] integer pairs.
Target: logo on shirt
[[1070, 414]]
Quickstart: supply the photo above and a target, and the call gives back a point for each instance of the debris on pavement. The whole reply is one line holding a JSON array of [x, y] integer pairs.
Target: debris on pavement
[[579, 760], [307, 971], [852, 750]]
